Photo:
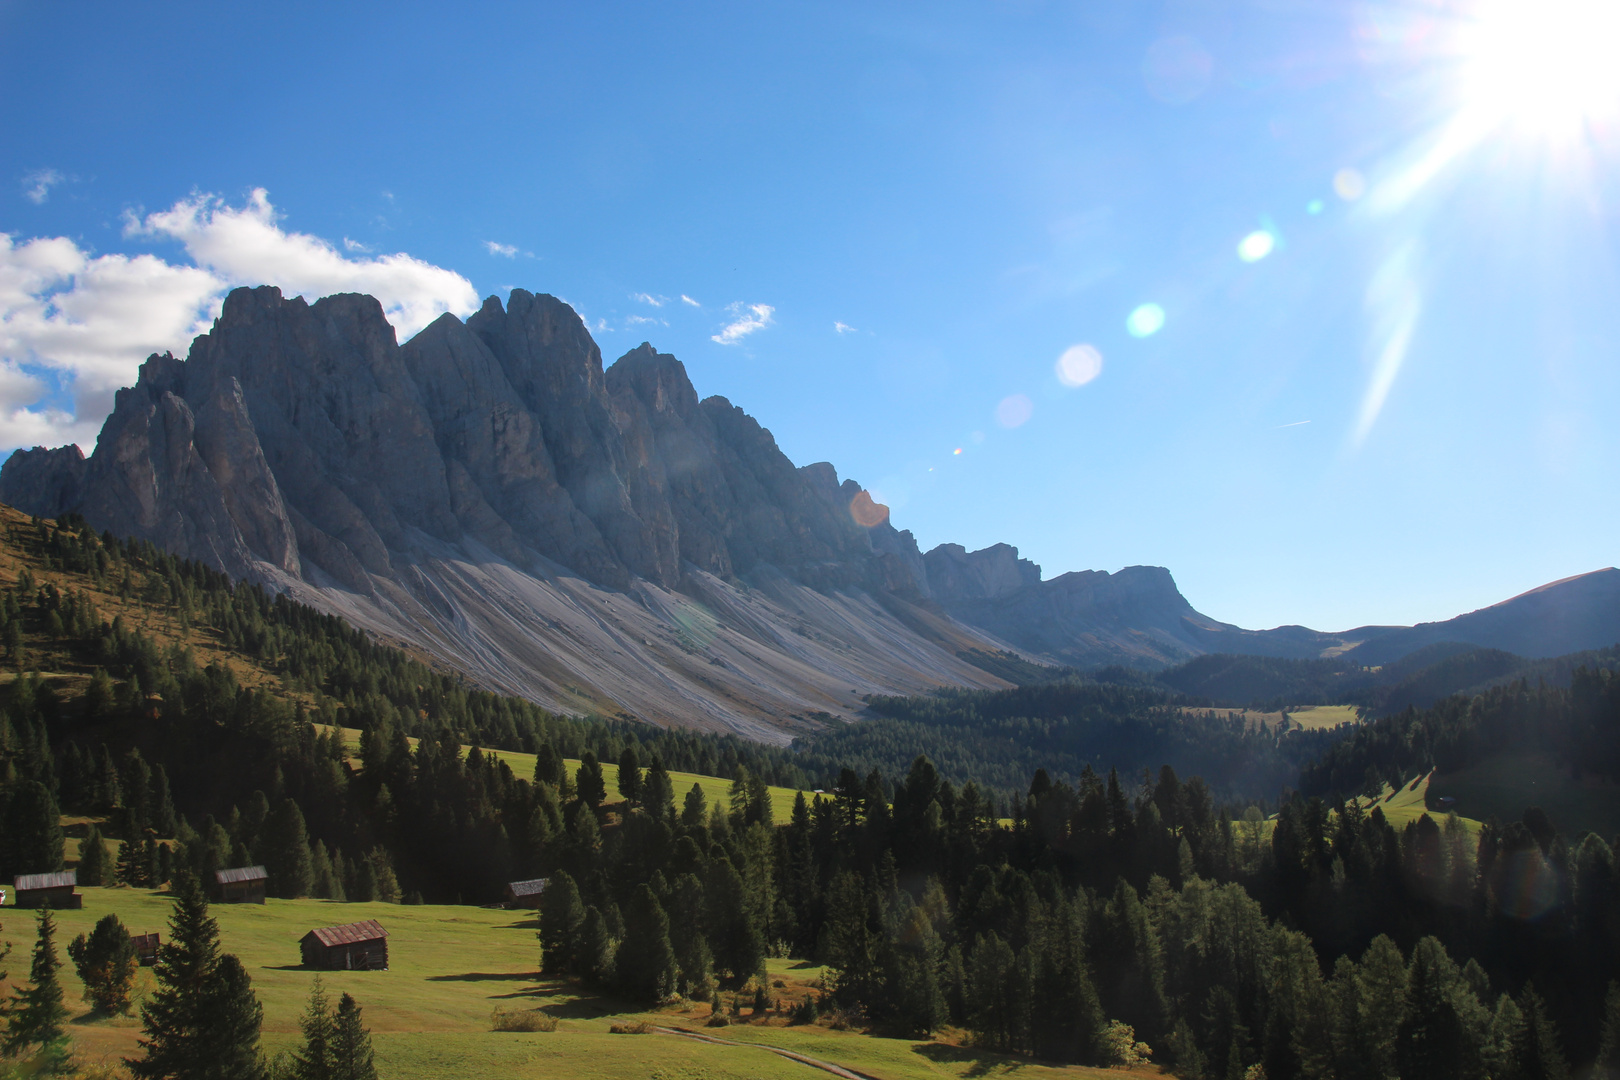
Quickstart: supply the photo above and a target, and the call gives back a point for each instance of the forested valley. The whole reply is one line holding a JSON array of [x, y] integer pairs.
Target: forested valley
[[1075, 872]]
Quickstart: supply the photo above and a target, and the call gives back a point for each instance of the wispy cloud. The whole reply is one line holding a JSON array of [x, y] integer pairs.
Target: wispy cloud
[[649, 298], [843, 328], [644, 320], [355, 245], [748, 318], [688, 300], [37, 184], [1296, 423], [505, 251]]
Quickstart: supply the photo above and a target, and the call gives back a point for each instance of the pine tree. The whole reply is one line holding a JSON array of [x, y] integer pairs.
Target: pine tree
[[1608, 1058], [630, 775], [32, 831], [658, 793], [313, 1061], [93, 868], [695, 809], [1429, 1042], [593, 956], [644, 964], [129, 866], [202, 1023], [285, 849], [106, 963], [588, 778], [351, 1044], [1540, 1056], [35, 1014], [562, 916]]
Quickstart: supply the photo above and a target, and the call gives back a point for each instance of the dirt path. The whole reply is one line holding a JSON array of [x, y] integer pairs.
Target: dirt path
[[814, 1063]]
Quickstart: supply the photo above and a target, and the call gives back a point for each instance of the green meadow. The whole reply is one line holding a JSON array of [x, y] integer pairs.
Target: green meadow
[[452, 967], [715, 789]]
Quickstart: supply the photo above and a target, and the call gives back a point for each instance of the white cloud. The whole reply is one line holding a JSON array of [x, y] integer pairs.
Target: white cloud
[[247, 247], [38, 184], [77, 327], [688, 300], [648, 298], [507, 251], [355, 245], [843, 328], [749, 317], [643, 320]]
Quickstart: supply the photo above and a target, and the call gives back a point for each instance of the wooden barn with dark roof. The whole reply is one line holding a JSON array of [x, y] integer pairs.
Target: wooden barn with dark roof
[[361, 946], [48, 890], [526, 894], [243, 885]]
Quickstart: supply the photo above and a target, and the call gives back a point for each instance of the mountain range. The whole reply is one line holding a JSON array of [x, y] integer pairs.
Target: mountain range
[[599, 539]]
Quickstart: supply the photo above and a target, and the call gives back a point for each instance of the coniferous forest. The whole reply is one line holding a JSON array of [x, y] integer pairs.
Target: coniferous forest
[[1077, 872]]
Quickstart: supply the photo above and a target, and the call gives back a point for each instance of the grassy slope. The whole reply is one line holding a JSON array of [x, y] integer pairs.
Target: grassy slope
[[1323, 717], [715, 789], [1503, 786], [451, 966]]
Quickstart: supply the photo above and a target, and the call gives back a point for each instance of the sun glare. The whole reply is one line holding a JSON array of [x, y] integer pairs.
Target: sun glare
[[1544, 65]]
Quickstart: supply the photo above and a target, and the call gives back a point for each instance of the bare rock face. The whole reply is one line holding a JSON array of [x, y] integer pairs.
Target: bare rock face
[[48, 480]]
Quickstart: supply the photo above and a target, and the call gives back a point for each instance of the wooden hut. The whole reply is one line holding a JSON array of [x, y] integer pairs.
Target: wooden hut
[[243, 885], [361, 946], [48, 890], [146, 947], [525, 893]]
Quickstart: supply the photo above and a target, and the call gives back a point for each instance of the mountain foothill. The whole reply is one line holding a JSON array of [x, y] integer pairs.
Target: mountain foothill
[[601, 540]]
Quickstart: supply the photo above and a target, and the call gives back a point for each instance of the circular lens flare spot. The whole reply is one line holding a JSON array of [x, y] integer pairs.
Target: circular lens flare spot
[[1145, 321], [1014, 411], [1177, 69], [867, 512], [1349, 184], [1256, 246], [1314, 207], [957, 452], [1078, 365]]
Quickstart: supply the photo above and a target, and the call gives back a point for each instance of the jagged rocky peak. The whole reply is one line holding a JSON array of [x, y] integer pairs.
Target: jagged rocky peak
[[955, 573], [301, 439]]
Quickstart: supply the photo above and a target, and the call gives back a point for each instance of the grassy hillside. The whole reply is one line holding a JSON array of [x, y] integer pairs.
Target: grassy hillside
[[451, 967], [716, 790]]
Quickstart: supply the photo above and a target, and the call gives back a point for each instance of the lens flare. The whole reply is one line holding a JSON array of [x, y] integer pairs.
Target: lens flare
[[1256, 246], [1349, 184], [1177, 69], [1078, 365], [1145, 321], [1314, 207], [1014, 411], [866, 511], [957, 452]]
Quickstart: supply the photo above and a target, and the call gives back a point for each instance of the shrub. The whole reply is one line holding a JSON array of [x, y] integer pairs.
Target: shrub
[[522, 1020], [639, 1027]]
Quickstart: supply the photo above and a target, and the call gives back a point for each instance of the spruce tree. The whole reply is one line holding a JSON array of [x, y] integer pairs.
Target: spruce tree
[[351, 1044], [1540, 1056], [645, 962], [130, 867], [562, 915], [630, 775], [93, 868], [202, 1023], [658, 794], [1429, 1040], [1608, 1058], [35, 1014], [285, 848], [313, 1061], [106, 963], [588, 778], [593, 955], [32, 831]]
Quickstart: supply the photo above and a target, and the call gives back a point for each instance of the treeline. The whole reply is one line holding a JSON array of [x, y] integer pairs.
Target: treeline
[[1578, 725], [999, 738]]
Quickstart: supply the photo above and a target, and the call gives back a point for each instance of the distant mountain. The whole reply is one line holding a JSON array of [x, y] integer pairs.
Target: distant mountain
[[602, 540]]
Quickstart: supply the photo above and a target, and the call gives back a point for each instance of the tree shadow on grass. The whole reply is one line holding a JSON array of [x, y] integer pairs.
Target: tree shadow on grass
[[487, 976], [983, 1061]]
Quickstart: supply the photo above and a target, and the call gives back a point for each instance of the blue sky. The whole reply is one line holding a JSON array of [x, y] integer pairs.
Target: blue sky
[[908, 213]]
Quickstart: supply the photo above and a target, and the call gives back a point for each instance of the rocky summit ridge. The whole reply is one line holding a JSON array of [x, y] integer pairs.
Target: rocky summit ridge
[[592, 538]]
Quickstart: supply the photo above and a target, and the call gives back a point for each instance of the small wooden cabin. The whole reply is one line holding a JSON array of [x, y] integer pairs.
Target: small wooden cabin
[[48, 890], [243, 885], [361, 946], [525, 893], [146, 947]]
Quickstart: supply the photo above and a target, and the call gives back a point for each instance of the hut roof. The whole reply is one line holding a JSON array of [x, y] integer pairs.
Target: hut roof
[[349, 933], [64, 879], [528, 888], [240, 874]]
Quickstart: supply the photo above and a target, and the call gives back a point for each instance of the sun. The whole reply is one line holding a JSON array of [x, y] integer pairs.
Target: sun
[[1546, 67]]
